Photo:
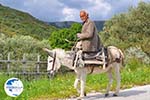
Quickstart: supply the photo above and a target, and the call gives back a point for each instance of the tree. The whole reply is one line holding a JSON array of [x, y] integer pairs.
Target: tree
[[65, 38], [129, 29]]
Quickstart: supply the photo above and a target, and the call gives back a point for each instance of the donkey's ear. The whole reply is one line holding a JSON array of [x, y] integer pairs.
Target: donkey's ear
[[50, 53]]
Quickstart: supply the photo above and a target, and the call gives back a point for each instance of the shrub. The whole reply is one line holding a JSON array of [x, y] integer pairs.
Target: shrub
[[19, 45]]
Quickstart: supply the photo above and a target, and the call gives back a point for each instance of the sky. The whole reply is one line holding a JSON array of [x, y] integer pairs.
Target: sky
[[68, 10]]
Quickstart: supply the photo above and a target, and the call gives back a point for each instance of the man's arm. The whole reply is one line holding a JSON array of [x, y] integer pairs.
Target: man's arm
[[88, 34]]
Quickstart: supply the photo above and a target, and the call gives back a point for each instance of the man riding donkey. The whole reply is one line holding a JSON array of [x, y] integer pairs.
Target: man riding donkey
[[89, 52], [89, 41]]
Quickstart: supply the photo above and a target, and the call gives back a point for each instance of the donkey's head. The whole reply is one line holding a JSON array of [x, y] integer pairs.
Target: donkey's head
[[53, 62]]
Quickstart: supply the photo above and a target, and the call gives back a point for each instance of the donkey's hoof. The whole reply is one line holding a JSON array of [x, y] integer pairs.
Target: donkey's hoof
[[106, 95], [115, 95], [79, 98], [84, 93]]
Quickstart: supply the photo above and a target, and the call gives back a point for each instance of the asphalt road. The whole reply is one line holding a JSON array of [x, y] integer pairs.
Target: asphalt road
[[135, 93]]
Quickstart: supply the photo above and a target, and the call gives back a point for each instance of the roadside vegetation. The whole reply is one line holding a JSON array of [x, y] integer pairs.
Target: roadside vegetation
[[62, 85]]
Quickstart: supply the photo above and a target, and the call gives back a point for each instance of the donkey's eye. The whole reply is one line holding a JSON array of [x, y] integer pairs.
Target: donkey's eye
[[50, 61]]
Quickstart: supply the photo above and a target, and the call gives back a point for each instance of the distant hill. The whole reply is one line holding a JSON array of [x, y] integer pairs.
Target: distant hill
[[14, 22], [67, 24], [99, 25], [63, 24]]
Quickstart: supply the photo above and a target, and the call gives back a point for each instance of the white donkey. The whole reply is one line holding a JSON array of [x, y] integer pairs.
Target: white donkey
[[58, 57]]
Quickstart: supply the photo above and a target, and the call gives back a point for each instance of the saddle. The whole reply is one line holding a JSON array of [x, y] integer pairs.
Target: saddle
[[82, 59]]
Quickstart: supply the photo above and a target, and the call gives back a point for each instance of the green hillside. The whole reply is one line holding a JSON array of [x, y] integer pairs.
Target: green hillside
[[14, 22]]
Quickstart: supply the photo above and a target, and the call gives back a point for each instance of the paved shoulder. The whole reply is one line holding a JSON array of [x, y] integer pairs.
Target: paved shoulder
[[135, 93]]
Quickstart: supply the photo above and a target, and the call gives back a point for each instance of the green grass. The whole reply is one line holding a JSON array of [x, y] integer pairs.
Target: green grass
[[62, 85]]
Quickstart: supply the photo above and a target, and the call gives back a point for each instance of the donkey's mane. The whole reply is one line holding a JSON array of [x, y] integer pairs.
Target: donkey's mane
[[61, 53]]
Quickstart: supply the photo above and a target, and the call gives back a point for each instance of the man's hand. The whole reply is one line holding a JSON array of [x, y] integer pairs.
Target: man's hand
[[78, 35]]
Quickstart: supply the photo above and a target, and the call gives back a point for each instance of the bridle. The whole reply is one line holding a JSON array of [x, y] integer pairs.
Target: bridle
[[54, 61], [51, 72]]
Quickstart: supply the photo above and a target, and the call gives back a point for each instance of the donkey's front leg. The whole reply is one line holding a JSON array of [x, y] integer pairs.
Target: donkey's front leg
[[82, 85], [76, 83]]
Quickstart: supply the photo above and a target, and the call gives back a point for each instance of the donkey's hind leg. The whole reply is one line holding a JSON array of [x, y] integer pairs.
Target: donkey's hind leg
[[118, 78], [109, 73]]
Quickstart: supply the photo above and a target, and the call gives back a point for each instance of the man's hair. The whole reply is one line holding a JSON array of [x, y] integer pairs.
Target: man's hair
[[84, 11]]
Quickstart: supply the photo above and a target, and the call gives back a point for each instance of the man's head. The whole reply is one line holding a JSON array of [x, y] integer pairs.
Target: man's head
[[83, 15]]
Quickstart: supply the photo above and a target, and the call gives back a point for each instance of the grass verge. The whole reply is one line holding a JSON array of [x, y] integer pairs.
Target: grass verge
[[62, 85]]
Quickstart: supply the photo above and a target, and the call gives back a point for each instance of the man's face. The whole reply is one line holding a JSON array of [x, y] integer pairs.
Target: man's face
[[83, 16]]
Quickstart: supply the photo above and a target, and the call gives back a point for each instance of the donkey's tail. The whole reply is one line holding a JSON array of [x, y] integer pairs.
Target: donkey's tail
[[122, 57]]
